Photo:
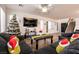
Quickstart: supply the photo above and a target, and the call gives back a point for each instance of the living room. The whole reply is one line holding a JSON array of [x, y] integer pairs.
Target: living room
[[39, 25]]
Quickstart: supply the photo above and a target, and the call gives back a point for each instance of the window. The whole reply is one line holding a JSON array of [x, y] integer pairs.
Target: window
[[49, 25], [41, 24], [52, 27], [2, 20]]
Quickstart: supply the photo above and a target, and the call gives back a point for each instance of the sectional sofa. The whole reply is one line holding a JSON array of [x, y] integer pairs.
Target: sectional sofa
[[26, 49], [4, 38], [51, 49]]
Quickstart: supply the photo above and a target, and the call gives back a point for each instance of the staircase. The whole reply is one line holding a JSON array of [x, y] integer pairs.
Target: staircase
[[70, 26]]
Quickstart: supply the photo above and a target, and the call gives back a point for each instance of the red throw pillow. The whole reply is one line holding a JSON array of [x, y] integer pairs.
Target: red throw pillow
[[74, 36], [13, 43], [64, 41]]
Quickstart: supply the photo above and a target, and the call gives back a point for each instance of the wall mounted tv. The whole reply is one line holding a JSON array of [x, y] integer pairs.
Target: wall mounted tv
[[30, 22]]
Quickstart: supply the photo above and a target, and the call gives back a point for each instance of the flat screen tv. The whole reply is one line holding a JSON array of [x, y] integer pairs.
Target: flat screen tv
[[31, 22]]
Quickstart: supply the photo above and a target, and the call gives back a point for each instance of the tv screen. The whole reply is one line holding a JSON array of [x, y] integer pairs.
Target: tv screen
[[30, 22]]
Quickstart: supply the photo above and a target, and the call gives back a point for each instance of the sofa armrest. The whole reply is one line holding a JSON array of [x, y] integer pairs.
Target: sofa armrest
[[66, 35], [61, 37]]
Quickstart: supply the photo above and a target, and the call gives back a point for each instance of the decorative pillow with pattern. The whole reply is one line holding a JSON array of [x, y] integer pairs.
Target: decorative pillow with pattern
[[73, 37], [13, 45], [62, 44]]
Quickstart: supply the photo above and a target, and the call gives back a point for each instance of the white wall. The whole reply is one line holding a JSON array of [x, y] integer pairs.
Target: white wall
[[22, 14], [52, 27]]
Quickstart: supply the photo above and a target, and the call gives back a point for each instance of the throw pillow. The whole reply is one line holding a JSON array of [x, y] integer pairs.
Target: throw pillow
[[13, 45], [62, 44], [73, 37]]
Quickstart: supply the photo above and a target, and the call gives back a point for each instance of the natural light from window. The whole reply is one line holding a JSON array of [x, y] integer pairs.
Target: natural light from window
[[2, 21]]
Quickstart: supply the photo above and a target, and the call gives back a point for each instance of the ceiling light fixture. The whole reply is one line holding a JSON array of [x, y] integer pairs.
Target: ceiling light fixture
[[45, 7]]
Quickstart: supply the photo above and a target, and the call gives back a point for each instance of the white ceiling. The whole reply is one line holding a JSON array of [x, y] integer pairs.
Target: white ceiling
[[57, 11]]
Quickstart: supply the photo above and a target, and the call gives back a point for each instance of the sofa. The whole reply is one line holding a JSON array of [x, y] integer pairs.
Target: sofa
[[51, 49], [73, 48], [4, 38]]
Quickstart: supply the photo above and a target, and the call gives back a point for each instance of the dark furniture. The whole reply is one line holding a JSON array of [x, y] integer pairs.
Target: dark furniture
[[43, 37], [52, 48], [25, 48]]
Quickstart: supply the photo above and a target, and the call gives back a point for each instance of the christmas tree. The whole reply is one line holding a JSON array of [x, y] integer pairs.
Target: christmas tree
[[13, 27]]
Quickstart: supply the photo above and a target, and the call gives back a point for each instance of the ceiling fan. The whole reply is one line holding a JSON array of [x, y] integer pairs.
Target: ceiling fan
[[42, 7], [45, 7]]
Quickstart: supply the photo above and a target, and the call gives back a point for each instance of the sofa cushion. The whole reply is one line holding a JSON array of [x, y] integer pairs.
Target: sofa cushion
[[46, 50], [62, 37], [66, 35], [3, 46], [73, 48], [5, 36], [25, 48], [54, 45]]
